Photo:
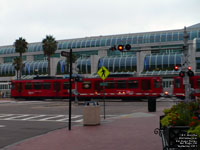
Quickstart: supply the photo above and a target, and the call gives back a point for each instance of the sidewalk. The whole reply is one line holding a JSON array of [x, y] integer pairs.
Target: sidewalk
[[130, 132]]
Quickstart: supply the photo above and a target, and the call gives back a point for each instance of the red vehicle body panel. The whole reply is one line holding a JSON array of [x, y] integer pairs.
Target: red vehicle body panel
[[48, 88], [179, 88], [122, 87]]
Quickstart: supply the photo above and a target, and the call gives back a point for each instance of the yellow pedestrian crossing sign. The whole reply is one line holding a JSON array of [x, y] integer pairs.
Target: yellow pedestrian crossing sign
[[103, 73]]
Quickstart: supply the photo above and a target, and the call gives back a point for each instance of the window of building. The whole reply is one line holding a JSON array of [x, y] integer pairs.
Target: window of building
[[78, 45], [163, 37], [198, 45], [134, 41], [152, 38], [157, 38], [169, 36], [198, 64], [88, 43], [97, 42], [175, 36], [108, 42]]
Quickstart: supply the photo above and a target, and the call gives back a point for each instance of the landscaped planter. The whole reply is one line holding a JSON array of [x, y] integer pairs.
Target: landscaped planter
[[180, 127]]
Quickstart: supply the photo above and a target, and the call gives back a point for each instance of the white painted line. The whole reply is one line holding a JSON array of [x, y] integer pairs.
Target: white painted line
[[8, 115], [34, 117], [58, 116], [66, 119], [1, 126], [80, 120], [16, 117]]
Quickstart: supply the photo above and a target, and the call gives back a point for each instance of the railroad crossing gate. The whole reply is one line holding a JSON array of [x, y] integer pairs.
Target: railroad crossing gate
[[103, 73]]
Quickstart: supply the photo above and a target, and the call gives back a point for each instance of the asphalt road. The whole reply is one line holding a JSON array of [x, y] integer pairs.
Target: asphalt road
[[20, 120]]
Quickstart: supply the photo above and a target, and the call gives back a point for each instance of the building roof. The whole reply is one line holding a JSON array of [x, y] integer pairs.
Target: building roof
[[194, 26]]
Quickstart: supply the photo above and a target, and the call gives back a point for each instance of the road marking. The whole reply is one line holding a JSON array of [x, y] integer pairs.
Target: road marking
[[21, 116], [38, 116], [6, 115], [66, 119], [45, 118], [53, 117], [2, 126]]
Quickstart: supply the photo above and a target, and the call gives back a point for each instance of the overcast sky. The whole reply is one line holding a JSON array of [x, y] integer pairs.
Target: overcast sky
[[66, 19]]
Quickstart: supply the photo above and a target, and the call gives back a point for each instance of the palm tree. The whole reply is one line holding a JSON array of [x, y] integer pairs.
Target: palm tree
[[49, 45], [17, 63], [20, 47]]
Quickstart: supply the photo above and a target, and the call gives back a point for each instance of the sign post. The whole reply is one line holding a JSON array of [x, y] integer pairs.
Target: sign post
[[103, 74], [69, 56]]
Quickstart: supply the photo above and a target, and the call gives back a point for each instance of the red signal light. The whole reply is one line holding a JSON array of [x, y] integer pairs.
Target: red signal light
[[128, 47], [182, 74], [189, 68], [176, 68], [120, 47]]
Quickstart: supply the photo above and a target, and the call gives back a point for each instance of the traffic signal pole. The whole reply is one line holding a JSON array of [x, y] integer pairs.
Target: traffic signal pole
[[184, 67], [70, 89]]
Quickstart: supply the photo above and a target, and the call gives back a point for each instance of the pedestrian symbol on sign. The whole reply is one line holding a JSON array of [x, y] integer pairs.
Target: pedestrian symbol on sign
[[103, 73]]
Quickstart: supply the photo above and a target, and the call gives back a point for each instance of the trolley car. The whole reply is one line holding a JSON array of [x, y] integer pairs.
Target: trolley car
[[87, 88]]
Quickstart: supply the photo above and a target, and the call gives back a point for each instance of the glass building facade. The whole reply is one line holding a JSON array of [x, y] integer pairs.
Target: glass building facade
[[152, 53], [162, 62], [119, 63], [102, 41]]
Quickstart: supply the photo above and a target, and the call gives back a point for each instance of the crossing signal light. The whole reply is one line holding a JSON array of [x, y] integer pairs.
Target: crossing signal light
[[113, 48], [128, 47], [176, 68], [182, 74], [120, 47], [189, 68], [190, 73]]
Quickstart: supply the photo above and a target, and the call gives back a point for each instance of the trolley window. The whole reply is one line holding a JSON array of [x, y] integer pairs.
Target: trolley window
[[146, 84], [121, 84], [198, 83], [28, 86], [110, 85], [86, 85], [13, 86], [46, 85], [37, 85], [97, 85], [133, 84], [56, 86], [19, 87], [177, 83], [157, 83], [66, 85]]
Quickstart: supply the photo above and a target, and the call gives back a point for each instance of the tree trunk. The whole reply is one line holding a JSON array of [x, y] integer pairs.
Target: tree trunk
[[49, 69], [20, 69]]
